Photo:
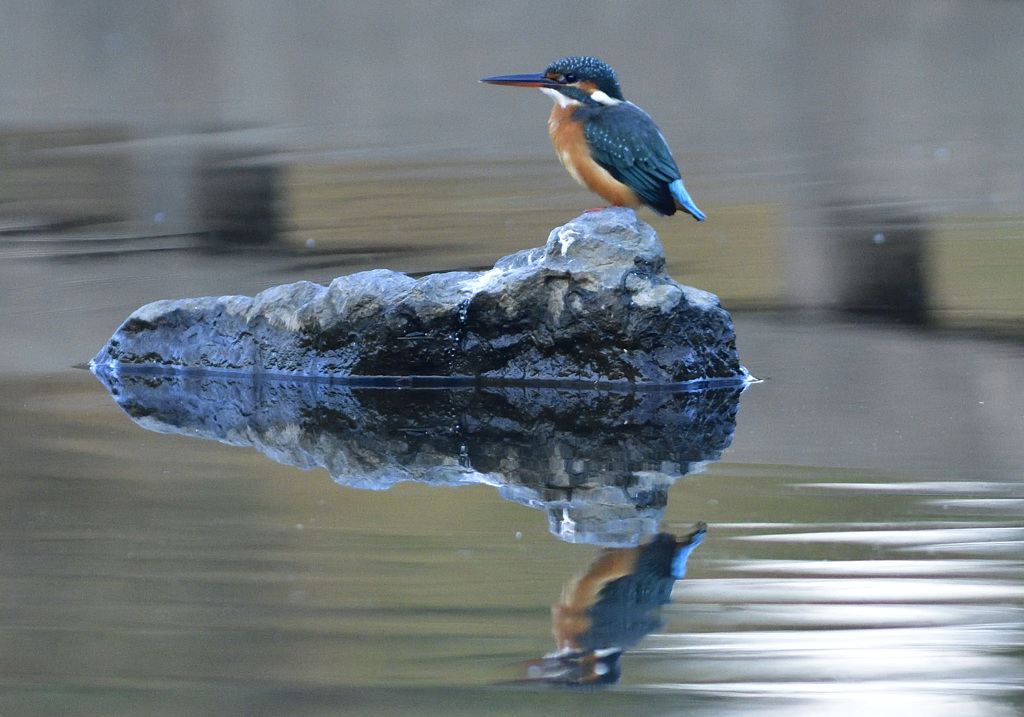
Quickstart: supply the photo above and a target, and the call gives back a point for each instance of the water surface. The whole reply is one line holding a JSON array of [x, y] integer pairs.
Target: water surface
[[864, 552]]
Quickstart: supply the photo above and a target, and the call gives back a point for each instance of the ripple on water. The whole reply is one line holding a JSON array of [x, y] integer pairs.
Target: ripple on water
[[917, 611]]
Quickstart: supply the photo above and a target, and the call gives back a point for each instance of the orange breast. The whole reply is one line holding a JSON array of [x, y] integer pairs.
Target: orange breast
[[571, 146], [569, 619]]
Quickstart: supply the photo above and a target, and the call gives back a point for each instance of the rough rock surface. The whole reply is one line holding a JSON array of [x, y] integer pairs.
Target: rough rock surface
[[594, 305]]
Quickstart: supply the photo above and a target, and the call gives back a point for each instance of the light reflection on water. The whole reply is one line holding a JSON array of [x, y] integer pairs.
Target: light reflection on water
[[892, 614]]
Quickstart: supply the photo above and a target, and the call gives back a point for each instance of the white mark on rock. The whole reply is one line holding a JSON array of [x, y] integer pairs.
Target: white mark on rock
[[664, 297], [484, 281], [566, 240]]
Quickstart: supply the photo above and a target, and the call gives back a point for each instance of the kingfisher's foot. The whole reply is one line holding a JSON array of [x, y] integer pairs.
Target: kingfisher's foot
[[595, 209]]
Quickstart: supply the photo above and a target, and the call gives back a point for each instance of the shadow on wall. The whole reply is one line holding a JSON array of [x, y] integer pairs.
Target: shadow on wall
[[880, 260], [240, 198]]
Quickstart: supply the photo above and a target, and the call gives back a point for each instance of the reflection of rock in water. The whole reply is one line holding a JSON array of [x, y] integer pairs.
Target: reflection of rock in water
[[600, 462], [610, 608]]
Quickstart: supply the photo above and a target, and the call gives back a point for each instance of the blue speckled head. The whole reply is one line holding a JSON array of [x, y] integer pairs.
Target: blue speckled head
[[570, 70]]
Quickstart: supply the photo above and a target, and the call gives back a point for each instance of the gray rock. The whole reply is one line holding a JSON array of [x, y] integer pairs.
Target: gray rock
[[594, 305]]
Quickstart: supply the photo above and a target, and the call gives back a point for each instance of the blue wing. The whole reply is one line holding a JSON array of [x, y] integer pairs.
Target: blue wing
[[625, 141]]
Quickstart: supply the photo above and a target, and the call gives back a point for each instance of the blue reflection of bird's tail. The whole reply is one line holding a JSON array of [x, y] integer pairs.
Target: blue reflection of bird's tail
[[679, 561]]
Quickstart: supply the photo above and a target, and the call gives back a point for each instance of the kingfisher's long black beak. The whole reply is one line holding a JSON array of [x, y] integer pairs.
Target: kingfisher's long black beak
[[529, 80]]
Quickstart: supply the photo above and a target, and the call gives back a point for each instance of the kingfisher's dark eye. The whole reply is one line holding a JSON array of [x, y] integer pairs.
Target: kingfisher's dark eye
[[569, 78]]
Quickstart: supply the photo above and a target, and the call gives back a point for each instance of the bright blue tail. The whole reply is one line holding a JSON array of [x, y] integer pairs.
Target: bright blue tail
[[683, 197], [679, 561]]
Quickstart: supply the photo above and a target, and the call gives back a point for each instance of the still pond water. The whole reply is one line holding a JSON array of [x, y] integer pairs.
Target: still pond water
[[864, 551]]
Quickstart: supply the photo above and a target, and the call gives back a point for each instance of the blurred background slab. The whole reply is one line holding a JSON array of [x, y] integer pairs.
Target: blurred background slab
[[862, 156]]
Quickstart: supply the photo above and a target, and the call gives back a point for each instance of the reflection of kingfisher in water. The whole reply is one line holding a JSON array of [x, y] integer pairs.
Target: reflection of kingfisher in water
[[610, 608], [609, 145]]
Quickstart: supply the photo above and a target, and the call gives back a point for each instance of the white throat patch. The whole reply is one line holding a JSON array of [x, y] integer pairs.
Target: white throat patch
[[560, 99]]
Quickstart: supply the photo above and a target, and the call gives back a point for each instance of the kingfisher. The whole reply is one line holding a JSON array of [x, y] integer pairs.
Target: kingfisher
[[610, 608], [609, 145]]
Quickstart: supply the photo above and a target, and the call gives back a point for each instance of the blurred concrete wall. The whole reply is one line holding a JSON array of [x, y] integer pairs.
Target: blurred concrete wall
[[803, 103], [908, 93]]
